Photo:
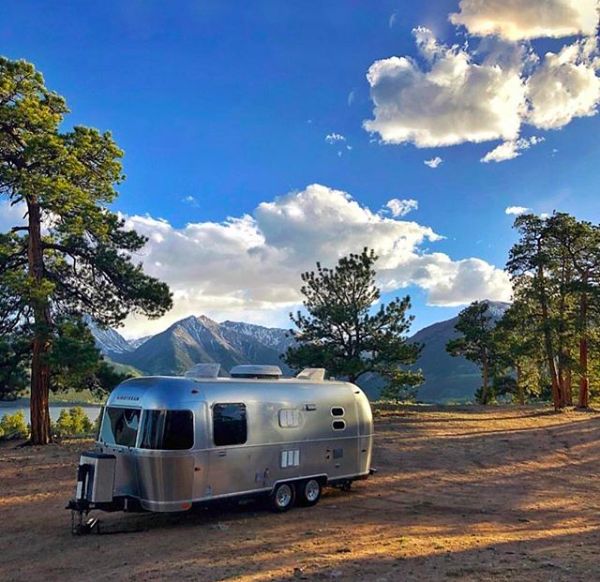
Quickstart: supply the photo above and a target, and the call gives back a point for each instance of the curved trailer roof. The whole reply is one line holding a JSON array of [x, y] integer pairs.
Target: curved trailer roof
[[171, 392]]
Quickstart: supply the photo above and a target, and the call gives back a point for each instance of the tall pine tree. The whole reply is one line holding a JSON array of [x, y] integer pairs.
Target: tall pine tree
[[69, 255], [476, 342], [343, 331]]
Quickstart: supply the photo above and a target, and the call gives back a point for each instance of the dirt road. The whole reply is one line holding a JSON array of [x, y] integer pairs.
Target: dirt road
[[500, 494]]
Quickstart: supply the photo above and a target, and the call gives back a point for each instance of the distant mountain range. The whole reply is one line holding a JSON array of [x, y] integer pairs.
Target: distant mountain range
[[196, 340], [448, 378]]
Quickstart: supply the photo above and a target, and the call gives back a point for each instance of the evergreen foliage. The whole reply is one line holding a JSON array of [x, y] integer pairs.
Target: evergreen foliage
[[343, 330], [476, 343], [70, 256]]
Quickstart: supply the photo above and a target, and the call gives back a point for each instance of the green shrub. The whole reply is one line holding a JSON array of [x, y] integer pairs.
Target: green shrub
[[73, 422], [14, 426]]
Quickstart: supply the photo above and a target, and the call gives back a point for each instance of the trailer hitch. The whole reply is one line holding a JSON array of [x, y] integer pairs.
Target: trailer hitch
[[81, 523]]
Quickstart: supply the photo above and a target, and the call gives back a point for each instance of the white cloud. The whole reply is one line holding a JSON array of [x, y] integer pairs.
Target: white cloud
[[351, 97], [510, 149], [564, 86], [334, 138], [392, 19], [454, 100], [453, 283], [191, 200], [433, 162], [526, 19], [399, 207], [11, 216], [454, 95], [250, 266], [516, 210]]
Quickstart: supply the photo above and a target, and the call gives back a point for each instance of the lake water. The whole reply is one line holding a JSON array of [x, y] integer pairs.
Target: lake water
[[12, 407]]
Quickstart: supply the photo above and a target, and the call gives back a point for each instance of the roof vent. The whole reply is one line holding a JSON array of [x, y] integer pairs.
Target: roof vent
[[256, 372], [315, 374], [203, 371]]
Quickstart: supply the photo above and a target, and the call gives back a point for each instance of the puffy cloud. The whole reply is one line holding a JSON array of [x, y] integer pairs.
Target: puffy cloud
[[433, 162], [510, 149], [526, 19], [11, 216], [334, 138], [564, 86], [516, 210], [454, 100], [452, 283], [399, 207], [250, 266]]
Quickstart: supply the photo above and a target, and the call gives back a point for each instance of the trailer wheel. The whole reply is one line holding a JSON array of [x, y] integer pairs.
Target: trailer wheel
[[310, 492], [283, 497]]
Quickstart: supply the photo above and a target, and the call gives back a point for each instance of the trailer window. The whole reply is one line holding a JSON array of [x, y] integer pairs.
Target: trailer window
[[339, 425], [120, 426], [168, 430], [229, 424], [337, 411]]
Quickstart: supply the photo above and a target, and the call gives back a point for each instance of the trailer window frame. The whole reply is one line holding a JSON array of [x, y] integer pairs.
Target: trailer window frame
[[162, 434], [116, 425], [341, 424], [222, 434], [335, 413]]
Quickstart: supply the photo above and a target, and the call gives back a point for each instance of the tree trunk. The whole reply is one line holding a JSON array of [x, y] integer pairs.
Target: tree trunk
[[486, 376], [556, 391], [584, 382], [40, 371], [568, 387], [520, 391]]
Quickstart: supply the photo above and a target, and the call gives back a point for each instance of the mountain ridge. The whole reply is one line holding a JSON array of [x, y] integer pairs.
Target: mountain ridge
[[199, 339]]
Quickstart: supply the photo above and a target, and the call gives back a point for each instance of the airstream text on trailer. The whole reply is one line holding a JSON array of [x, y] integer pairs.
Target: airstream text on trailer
[[166, 443]]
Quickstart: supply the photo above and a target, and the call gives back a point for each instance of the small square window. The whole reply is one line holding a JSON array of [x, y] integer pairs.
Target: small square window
[[229, 424]]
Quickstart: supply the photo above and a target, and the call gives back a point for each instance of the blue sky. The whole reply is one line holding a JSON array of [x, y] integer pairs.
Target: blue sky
[[227, 105]]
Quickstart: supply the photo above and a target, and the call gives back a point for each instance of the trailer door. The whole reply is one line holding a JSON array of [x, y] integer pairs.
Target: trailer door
[[230, 461]]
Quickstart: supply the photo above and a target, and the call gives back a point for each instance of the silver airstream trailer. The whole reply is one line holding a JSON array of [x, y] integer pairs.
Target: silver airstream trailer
[[166, 443]]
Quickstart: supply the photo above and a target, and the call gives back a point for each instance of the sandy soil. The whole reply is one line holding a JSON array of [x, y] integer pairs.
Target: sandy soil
[[500, 494]]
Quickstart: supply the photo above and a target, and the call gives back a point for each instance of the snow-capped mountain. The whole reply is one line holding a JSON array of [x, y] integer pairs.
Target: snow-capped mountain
[[196, 340], [108, 340], [273, 337], [137, 342]]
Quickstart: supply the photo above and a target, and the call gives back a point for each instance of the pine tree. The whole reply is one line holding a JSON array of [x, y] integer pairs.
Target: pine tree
[[343, 331], [579, 243], [531, 268], [476, 342], [517, 348], [555, 266], [70, 255]]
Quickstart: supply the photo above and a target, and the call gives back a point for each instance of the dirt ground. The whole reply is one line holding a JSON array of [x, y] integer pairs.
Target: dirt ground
[[468, 494]]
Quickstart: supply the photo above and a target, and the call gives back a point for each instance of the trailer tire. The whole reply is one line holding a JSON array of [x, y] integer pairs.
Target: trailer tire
[[283, 497], [310, 492]]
